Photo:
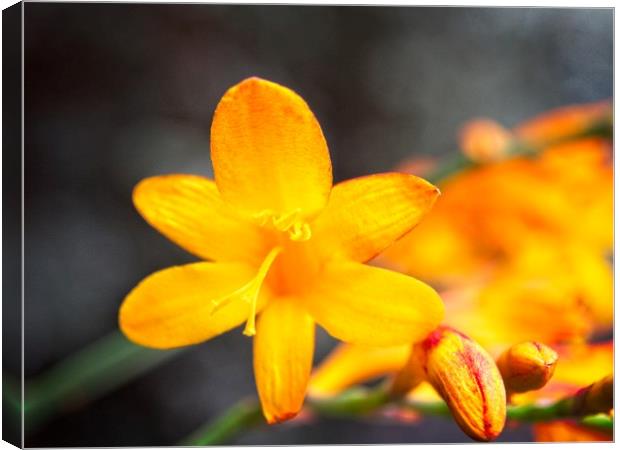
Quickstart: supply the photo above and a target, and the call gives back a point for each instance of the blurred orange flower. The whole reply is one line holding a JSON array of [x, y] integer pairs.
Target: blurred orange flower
[[557, 124], [578, 366], [524, 241], [568, 431], [286, 245]]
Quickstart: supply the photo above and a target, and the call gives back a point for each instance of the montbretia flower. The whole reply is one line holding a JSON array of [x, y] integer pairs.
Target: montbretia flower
[[527, 366], [535, 232], [285, 244], [466, 377]]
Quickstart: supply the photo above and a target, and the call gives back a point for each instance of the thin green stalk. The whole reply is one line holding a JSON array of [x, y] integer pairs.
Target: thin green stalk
[[449, 166], [360, 401], [245, 414], [88, 374], [353, 402], [532, 413], [11, 398], [537, 413], [604, 422]]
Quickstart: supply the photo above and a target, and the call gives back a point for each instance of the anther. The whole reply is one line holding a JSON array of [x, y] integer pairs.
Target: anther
[[290, 222]]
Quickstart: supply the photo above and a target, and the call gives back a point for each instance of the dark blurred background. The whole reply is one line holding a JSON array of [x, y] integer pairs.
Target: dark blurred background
[[119, 92]]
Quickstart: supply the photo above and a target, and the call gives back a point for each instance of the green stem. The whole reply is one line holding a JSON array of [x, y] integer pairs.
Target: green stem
[[245, 414], [359, 401], [602, 421], [88, 374], [353, 402], [448, 167], [537, 413]]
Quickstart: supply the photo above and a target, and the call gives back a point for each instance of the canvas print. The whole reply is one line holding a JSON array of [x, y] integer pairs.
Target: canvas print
[[287, 224]]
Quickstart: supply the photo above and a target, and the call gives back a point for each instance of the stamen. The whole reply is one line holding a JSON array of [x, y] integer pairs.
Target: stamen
[[300, 231], [249, 292], [291, 222], [285, 221], [263, 217]]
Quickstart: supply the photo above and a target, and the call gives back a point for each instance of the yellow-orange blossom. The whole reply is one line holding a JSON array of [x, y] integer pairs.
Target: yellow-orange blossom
[[285, 244]]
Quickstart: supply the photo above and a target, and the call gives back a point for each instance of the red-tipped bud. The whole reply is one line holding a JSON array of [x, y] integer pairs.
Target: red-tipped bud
[[527, 366], [466, 376], [596, 398]]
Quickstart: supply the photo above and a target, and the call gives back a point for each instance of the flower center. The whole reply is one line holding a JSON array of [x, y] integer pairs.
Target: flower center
[[249, 292], [290, 222]]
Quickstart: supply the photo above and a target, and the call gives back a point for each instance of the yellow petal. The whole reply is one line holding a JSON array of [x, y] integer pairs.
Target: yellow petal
[[268, 151], [527, 303], [581, 365], [368, 305], [283, 350], [594, 280], [173, 307], [189, 211], [367, 214], [350, 364], [424, 392], [435, 250]]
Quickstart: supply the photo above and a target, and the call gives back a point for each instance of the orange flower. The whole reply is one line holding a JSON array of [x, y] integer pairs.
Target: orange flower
[[527, 237], [285, 244], [555, 125], [516, 306]]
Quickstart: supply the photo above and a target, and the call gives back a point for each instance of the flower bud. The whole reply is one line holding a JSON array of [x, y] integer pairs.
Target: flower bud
[[466, 377], [596, 398], [484, 140], [527, 366]]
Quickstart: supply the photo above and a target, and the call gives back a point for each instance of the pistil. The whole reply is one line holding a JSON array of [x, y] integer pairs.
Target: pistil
[[249, 292]]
